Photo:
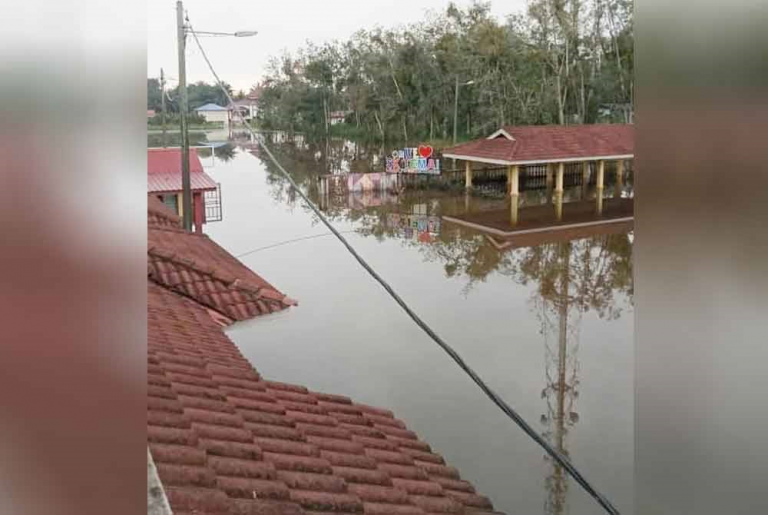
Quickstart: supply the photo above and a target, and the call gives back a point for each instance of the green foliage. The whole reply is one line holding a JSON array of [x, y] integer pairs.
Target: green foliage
[[153, 95], [198, 94], [558, 63]]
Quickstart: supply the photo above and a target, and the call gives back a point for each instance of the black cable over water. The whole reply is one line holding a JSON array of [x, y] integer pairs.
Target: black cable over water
[[511, 413]]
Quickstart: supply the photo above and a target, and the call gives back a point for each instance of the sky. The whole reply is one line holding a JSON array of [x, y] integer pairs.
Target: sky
[[281, 25]]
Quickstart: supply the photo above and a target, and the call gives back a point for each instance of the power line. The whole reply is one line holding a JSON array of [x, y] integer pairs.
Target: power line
[[286, 242], [501, 403]]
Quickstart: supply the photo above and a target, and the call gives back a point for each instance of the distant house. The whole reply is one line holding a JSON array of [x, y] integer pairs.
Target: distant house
[[151, 113], [248, 108], [336, 117], [164, 182], [214, 113], [616, 113]]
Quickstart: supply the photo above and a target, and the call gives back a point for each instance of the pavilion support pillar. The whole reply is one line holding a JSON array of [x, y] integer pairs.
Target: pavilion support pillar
[[467, 174], [514, 204], [179, 205], [560, 176], [513, 180], [619, 179], [559, 205], [584, 180], [549, 183], [600, 182]]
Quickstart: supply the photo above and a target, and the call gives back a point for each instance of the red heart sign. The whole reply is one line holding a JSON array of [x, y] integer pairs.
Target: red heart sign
[[425, 151]]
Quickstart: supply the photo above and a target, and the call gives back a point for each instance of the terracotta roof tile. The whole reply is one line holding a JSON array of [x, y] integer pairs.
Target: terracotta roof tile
[[388, 509], [416, 487], [336, 445], [470, 499], [433, 469], [326, 431], [362, 430], [403, 471], [298, 463], [376, 443], [364, 476], [433, 504], [327, 501], [342, 459], [240, 467]]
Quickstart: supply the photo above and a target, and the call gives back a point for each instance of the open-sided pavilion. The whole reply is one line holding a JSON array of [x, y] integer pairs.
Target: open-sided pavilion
[[551, 146]]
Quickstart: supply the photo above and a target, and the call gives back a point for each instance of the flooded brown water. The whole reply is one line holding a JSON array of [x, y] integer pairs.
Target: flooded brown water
[[547, 322]]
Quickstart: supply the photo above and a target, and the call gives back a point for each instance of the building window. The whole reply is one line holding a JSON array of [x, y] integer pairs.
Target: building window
[[172, 201]]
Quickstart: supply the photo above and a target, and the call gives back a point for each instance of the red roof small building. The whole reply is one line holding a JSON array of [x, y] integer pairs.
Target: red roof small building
[[223, 440], [164, 180], [531, 145]]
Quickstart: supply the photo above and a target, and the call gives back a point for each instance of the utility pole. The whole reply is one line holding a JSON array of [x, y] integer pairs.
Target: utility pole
[[455, 110], [186, 200], [162, 102]]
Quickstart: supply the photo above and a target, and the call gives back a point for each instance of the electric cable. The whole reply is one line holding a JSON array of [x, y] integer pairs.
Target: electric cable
[[286, 242]]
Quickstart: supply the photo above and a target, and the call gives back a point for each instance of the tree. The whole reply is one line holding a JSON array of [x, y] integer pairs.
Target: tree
[[559, 62], [154, 94]]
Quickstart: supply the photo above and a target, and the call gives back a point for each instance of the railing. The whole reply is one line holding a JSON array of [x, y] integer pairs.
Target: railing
[[213, 207], [494, 178]]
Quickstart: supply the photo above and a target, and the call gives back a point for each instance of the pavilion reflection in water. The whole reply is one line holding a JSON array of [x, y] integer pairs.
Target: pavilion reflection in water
[[571, 275]]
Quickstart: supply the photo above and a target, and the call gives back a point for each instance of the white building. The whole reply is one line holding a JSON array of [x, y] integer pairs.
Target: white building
[[214, 113], [337, 117], [247, 107]]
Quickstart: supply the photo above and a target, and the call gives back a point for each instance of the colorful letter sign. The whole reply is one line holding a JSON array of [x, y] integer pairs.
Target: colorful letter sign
[[413, 160]]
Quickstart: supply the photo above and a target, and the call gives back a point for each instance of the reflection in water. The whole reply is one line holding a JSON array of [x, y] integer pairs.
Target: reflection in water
[[572, 274], [561, 378], [573, 277], [223, 150]]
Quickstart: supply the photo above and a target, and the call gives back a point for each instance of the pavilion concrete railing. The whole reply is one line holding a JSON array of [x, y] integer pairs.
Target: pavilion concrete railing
[[530, 177]]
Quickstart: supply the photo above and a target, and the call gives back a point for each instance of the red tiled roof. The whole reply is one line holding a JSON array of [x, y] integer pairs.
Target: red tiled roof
[[549, 143], [226, 441], [195, 266], [164, 171]]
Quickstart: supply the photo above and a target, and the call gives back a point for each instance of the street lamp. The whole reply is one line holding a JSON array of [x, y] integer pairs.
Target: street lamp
[[238, 34], [456, 105], [181, 33]]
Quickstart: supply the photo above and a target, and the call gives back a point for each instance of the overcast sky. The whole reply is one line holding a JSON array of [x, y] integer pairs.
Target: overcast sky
[[282, 24]]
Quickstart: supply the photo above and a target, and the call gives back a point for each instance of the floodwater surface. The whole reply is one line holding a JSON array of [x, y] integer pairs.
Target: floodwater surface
[[548, 322]]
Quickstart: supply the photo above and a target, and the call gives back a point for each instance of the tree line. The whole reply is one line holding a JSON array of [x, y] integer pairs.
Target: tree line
[[198, 94], [560, 62]]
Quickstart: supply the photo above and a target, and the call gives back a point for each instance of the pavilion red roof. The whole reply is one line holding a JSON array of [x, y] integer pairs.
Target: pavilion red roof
[[164, 171], [549, 144], [226, 441]]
